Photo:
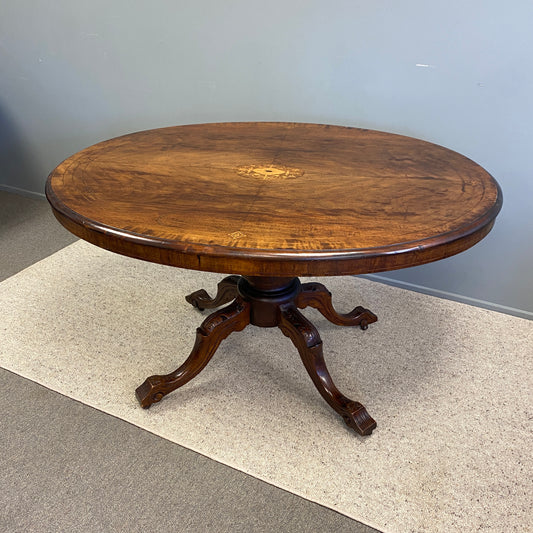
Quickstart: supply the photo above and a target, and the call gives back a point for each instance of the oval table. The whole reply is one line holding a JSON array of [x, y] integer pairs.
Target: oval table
[[268, 203]]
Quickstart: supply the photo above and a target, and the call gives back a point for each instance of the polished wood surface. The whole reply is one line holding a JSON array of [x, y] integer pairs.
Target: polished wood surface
[[271, 202], [275, 199]]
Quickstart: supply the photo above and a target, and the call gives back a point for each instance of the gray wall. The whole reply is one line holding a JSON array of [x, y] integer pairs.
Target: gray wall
[[455, 73]]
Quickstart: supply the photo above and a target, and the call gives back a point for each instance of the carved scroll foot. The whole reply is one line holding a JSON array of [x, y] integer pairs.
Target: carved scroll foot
[[214, 329], [306, 338], [317, 296], [226, 291]]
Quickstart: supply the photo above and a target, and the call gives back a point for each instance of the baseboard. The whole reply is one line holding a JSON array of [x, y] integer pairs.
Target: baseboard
[[451, 296], [23, 192]]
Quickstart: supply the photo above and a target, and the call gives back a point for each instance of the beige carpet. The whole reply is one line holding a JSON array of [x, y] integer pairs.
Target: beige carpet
[[450, 386]]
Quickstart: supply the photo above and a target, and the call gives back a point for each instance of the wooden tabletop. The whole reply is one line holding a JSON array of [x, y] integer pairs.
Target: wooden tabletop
[[275, 199]]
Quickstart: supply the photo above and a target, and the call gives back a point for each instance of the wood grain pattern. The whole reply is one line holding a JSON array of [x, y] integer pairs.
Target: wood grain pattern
[[275, 199]]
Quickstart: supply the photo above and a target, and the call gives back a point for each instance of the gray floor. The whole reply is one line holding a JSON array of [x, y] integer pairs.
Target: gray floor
[[67, 467]]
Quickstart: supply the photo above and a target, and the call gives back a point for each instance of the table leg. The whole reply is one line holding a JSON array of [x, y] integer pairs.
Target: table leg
[[267, 302], [214, 329], [317, 296], [309, 344], [226, 291]]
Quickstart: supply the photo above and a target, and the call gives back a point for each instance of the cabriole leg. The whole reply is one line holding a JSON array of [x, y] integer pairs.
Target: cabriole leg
[[306, 338], [317, 296], [226, 291], [214, 329]]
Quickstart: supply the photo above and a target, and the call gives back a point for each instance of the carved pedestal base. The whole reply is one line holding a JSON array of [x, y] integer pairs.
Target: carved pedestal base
[[267, 302]]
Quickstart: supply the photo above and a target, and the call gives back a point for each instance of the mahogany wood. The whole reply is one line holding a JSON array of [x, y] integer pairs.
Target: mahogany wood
[[268, 302], [275, 199], [316, 295], [214, 329], [306, 338], [268, 202], [226, 291]]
